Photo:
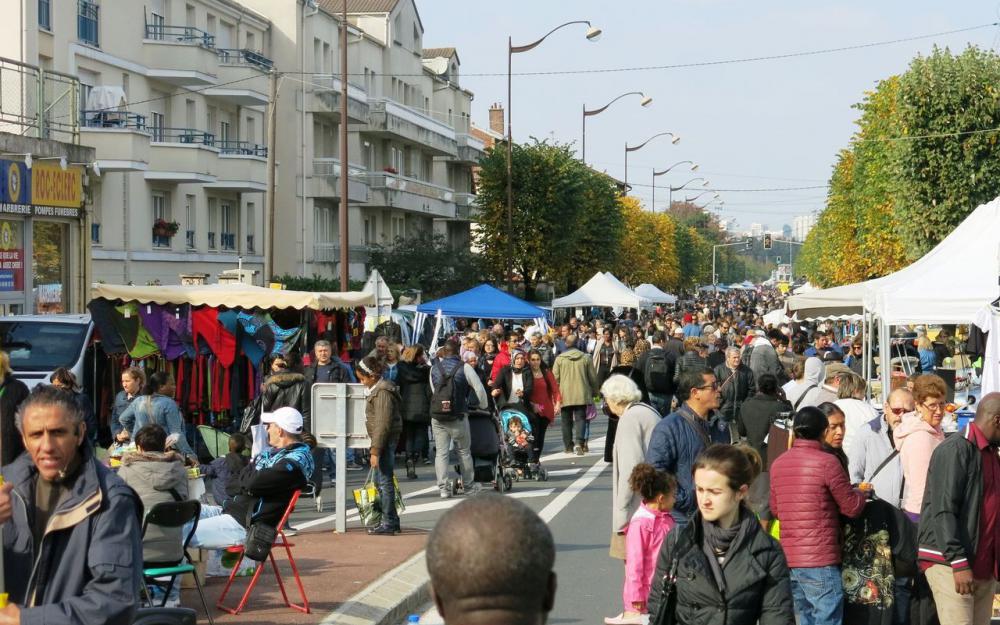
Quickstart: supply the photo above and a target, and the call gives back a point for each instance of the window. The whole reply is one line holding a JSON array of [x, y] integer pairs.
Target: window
[[189, 114], [224, 132], [125, 84], [190, 220], [210, 25], [87, 21], [45, 14], [251, 226], [190, 17], [324, 224], [251, 130], [160, 212], [227, 230], [251, 41], [317, 56], [369, 230], [213, 221], [156, 125], [157, 19], [213, 115]]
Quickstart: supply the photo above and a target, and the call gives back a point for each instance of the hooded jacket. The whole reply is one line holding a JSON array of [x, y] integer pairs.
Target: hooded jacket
[[916, 440], [764, 359], [756, 577], [577, 379], [809, 492], [152, 476], [382, 415], [89, 565], [283, 389], [813, 378], [414, 385]]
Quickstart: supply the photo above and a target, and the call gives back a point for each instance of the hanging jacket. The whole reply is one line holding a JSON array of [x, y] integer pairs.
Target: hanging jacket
[[756, 577]]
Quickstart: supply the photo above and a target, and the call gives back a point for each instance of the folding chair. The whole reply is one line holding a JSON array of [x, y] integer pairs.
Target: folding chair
[[280, 541], [173, 514], [216, 441]]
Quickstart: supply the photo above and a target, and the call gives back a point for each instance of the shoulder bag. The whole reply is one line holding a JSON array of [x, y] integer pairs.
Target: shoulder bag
[[667, 612]]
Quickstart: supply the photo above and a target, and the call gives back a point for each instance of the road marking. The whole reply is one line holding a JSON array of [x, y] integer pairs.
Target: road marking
[[454, 501], [559, 472], [564, 498]]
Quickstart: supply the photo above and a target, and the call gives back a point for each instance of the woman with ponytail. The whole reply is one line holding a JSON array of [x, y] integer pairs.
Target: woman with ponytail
[[728, 571]]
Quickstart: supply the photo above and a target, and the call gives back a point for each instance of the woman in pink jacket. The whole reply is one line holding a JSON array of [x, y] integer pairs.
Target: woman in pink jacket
[[917, 436]]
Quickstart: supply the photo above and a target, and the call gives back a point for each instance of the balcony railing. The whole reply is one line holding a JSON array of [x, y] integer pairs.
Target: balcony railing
[[181, 135], [87, 22], [410, 185], [241, 148], [233, 56], [113, 119], [95, 233], [250, 249], [182, 34], [211, 240], [189, 237], [161, 241], [326, 166], [228, 241]]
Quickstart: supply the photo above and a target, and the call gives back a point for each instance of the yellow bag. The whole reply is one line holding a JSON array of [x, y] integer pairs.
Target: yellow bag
[[775, 529], [366, 499]]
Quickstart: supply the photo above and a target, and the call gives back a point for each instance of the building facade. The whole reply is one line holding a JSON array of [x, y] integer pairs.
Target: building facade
[[801, 226]]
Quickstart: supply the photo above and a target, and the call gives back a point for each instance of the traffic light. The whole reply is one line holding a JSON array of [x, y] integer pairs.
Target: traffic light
[[767, 241], [778, 261], [749, 243]]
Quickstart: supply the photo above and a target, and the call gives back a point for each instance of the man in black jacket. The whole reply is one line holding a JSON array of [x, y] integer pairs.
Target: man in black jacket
[[654, 374], [959, 534], [736, 384]]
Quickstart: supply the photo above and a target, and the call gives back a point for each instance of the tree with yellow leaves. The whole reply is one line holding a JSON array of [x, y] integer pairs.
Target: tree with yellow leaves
[[647, 251]]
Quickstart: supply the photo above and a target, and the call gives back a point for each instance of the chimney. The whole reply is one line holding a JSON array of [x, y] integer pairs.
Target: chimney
[[496, 118]]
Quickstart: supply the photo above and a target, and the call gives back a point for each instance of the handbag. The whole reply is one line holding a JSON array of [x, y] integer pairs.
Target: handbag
[[591, 412], [368, 499], [666, 614], [260, 538], [251, 412]]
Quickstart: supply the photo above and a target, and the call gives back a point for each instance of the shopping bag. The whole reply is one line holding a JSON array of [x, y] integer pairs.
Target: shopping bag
[[367, 500], [591, 412]]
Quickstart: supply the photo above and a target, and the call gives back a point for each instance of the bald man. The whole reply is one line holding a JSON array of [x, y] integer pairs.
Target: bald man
[[959, 534], [490, 559]]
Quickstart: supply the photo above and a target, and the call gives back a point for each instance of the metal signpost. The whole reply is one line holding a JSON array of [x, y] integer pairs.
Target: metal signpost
[[338, 421]]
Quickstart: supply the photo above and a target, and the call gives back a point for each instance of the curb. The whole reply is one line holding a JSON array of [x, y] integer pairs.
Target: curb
[[389, 599]]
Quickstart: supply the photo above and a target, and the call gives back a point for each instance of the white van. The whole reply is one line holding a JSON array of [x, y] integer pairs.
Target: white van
[[40, 344]]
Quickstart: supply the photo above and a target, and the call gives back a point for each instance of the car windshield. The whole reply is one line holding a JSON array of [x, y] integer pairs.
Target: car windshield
[[41, 346]]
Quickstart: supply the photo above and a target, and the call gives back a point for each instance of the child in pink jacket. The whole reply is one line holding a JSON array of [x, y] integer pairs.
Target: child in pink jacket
[[643, 537]]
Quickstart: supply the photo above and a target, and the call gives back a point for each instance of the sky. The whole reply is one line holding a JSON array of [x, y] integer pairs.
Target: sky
[[753, 128]]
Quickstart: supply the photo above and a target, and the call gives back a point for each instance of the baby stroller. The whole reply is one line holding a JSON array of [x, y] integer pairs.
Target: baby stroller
[[516, 460], [487, 447]]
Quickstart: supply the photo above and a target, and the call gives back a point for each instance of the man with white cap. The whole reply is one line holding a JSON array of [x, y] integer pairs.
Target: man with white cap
[[261, 492], [675, 344]]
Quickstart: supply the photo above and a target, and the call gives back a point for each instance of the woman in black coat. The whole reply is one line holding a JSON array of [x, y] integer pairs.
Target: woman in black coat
[[413, 379], [758, 413], [283, 388], [728, 570], [12, 393], [506, 391]]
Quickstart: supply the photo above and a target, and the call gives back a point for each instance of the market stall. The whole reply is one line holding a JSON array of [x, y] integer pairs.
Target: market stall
[[654, 294], [481, 302], [604, 291]]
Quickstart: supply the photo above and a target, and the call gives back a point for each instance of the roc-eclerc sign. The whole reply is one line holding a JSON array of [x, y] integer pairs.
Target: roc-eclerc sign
[[53, 186]]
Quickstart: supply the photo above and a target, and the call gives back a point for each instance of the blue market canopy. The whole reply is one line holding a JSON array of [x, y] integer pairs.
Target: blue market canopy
[[483, 301]]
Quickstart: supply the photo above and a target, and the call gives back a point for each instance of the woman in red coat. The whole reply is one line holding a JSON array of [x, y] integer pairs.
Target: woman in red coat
[[545, 401]]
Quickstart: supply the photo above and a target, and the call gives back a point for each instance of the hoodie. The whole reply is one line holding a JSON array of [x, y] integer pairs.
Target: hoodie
[[577, 379], [916, 440], [643, 539], [813, 377], [153, 475]]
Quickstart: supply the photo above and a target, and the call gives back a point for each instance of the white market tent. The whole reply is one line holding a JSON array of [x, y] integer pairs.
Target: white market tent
[[232, 296], [776, 318], [602, 290], [654, 294]]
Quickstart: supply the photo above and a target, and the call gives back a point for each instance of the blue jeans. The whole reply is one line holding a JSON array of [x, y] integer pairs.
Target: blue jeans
[[386, 487], [818, 594], [660, 401], [902, 598]]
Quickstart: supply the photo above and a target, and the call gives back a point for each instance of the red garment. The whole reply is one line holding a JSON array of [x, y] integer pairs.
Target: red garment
[[545, 393], [502, 360], [987, 561], [809, 490], [205, 325]]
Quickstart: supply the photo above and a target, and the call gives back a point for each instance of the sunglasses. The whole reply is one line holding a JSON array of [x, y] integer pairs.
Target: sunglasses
[[898, 411], [713, 386]]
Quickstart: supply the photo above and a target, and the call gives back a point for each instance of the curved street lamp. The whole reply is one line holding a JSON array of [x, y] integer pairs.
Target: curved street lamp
[[694, 167], [674, 139], [695, 197], [645, 101], [672, 189], [593, 34]]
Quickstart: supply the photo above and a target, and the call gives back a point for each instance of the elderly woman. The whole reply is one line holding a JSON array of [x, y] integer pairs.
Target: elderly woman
[[635, 427], [384, 423], [917, 436], [857, 412]]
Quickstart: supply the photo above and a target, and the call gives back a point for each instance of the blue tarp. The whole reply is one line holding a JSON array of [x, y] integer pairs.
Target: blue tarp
[[483, 301]]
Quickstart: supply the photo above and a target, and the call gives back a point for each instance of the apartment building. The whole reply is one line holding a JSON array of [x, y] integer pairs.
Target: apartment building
[[801, 226], [410, 147], [172, 96]]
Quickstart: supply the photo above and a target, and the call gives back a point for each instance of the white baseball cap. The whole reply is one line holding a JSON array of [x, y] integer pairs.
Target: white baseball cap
[[678, 330], [288, 419]]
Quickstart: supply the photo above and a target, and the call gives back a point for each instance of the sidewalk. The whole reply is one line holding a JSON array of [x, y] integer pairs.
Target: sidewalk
[[334, 568]]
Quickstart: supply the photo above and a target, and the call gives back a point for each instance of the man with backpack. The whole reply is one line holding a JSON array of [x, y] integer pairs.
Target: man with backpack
[[654, 373], [453, 384]]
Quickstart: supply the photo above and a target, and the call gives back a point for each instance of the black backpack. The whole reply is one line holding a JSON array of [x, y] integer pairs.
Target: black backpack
[[443, 405], [657, 372]]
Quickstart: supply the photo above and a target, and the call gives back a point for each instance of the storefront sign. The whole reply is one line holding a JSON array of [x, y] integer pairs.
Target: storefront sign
[[39, 211], [15, 182], [53, 186], [11, 256]]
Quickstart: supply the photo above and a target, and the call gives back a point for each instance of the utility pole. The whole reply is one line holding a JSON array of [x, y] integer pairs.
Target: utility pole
[[345, 257], [272, 139]]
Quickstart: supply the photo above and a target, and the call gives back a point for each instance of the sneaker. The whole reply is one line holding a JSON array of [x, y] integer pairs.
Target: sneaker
[[578, 450], [445, 494], [473, 489], [632, 618], [411, 470], [428, 461], [289, 530], [383, 530]]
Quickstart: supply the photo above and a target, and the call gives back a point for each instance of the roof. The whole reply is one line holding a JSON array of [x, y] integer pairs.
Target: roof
[[232, 296], [434, 53], [483, 301], [602, 290], [359, 6]]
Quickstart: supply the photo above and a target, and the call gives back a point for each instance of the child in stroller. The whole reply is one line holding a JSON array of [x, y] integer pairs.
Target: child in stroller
[[517, 434]]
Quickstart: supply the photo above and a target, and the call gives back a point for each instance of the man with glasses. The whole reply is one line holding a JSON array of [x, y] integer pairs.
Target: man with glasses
[[855, 359], [683, 434], [876, 450]]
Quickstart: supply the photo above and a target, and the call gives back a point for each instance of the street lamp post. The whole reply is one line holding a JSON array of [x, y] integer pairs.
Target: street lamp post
[[674, 139], [670, 200], [694, 167], [593, 34], [695, 197], [645, 101]]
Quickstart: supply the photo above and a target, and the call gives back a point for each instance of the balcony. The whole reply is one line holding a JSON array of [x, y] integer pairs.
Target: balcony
[[411, 194], [228, 241], [242, 167], [244, 72], [121, 139], [328, 252], [171, 53], [470, 149], [466, 208], [325, 181], [391, 119], [325, 98], [182, 155]]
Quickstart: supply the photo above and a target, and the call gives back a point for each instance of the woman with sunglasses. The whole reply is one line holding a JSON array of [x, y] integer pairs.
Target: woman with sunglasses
[[917, 436], [605, 355]]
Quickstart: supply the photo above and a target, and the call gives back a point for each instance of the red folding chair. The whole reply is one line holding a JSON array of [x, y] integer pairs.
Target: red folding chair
[[279, 541]]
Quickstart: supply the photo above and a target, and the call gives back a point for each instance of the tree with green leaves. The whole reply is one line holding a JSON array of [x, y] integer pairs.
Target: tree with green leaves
[[426, 262]]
